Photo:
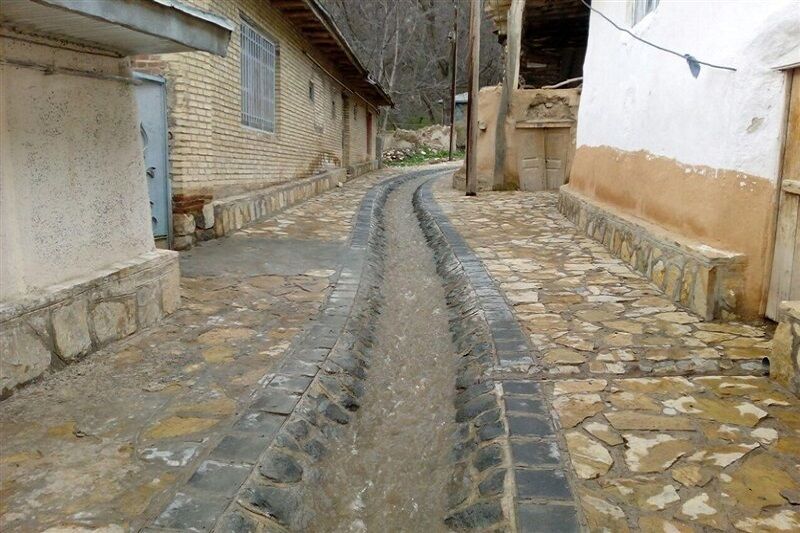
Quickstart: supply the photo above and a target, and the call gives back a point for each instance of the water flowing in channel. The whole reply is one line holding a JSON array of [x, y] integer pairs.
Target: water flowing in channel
[[391, 472]]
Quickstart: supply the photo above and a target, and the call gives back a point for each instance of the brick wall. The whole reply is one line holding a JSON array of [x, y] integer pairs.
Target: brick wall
[[211, 152]]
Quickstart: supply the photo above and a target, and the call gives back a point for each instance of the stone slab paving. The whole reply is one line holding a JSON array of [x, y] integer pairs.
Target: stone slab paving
[[108, 441], [667, 423]]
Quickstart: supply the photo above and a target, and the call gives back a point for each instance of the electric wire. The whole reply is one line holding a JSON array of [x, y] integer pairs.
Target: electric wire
[[687, 57]]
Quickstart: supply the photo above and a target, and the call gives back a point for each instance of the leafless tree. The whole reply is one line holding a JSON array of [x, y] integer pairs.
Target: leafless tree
[[405, 45]]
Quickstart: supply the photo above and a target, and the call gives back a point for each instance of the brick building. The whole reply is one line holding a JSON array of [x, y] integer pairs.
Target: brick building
[[286, 114]]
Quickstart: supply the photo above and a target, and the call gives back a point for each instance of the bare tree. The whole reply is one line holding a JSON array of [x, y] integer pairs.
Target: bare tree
[[405, 45]]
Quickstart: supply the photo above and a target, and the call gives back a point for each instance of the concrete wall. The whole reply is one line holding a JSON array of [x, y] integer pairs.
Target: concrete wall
[[212, 153], [73, 198], [699, 157]]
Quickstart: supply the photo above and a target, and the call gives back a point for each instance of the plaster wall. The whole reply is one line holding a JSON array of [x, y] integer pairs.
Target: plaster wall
[[699, 157], [639, 98], [526, 106], [488, 105], [73, 198]]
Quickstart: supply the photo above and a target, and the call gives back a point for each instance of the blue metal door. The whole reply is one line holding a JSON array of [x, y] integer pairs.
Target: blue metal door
[[152, 103]]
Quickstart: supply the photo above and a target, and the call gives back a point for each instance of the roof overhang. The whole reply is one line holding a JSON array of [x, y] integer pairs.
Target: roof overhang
[[317, 26], [128, 27]]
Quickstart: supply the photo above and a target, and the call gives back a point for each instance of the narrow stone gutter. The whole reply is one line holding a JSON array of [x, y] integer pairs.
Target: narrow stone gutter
[[509, 473], [255, 477], [507, 470]]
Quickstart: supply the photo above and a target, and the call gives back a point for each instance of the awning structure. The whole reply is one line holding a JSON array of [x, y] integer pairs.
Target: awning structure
[[318, 27], [129, 27]]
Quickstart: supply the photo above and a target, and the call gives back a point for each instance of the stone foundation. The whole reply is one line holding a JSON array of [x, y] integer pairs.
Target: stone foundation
[[70, 320], [209, 219], [706, 280], [784, 365], [356, 170]]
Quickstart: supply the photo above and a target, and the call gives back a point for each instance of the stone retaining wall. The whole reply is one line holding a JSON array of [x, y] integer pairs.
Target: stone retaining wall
[[217, 218], [71, 320], [784, 364], [357, 169], [706, 280]]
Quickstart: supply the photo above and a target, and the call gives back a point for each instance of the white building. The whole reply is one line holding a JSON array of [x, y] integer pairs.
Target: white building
[[684, 176], [78, 264]]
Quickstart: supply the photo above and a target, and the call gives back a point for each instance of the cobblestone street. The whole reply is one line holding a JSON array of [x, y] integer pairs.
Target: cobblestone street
[[582, 398], [106, 442], [400, 266], [668, 422]]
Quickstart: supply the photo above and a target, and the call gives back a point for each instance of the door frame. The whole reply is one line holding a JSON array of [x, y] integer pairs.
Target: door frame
[[370, 140], [529, 132], [161, 80], [346, 102], [790, 71]]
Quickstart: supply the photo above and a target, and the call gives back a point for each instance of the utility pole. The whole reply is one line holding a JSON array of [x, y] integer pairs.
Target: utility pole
[[473, 64], [453, 69]]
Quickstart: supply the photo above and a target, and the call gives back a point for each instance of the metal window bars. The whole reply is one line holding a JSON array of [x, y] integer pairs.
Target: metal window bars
[[258, 79]]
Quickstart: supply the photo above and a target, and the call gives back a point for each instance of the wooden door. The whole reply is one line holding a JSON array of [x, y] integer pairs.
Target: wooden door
[[543, 154], [785, 280], [369, 136], [556, 149], [532, 173], [345, 130]]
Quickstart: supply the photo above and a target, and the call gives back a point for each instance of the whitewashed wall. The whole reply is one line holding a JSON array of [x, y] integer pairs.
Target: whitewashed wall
[[638, 98]]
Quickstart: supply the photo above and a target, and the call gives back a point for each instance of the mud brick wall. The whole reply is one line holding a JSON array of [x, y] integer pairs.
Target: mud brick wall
[[707, 281]]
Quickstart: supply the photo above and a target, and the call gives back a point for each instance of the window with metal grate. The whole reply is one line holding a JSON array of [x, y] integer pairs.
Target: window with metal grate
[[641, 8], [258, 79]]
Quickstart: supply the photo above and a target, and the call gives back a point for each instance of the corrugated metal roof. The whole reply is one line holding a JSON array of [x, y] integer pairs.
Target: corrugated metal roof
[[128, 28]]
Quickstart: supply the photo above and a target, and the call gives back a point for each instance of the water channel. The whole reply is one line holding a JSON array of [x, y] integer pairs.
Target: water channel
[[391, 472]]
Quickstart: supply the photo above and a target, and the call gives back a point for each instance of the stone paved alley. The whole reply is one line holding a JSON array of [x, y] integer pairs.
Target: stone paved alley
[[107, 440], [602, 405], [667, 421]]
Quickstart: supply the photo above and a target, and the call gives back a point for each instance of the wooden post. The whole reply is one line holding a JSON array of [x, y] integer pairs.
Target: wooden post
[[453, 70], [473, 69], [513, 44]]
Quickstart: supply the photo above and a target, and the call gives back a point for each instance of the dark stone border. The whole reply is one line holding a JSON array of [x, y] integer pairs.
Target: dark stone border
[[504, 426], [255, 477]]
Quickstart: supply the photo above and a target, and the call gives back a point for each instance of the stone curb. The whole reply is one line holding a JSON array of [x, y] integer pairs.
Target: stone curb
[[505, 427], [255, 478]]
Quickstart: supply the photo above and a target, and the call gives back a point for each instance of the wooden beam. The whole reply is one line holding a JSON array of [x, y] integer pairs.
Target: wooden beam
[[281, 4], [473, 69], [511, 79], [453, 69]]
